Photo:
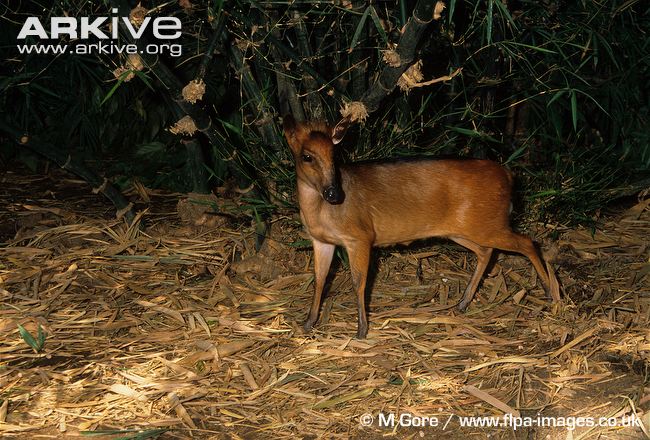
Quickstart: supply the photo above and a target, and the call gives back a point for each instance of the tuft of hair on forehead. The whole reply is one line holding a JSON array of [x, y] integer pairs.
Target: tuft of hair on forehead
[[317, 127], [319, 136]]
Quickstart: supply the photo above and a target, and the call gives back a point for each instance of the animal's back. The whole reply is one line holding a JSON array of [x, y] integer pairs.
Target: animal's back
[[409, 200]]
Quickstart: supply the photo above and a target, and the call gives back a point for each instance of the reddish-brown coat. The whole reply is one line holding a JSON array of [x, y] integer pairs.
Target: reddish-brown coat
[[386, 203]]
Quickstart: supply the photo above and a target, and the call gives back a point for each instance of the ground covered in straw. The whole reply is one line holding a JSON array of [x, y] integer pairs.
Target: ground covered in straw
[[187, 332]]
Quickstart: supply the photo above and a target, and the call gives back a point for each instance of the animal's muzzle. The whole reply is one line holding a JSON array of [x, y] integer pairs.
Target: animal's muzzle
[[333, 194]]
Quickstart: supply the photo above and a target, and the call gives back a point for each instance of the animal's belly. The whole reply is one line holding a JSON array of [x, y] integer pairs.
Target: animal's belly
[[406, 236], [407, 228]]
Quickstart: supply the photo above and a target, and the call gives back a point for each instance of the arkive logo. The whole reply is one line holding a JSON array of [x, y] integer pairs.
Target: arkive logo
[[164, 28]]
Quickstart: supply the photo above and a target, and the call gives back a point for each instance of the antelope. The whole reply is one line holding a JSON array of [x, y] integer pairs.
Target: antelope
[[361, 205]]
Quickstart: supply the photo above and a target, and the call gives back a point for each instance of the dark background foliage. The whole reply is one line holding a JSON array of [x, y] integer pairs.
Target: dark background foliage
[[557, 90]]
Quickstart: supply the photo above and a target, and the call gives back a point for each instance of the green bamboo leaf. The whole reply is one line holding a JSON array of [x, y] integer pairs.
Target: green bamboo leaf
[[574, 109], [300, 243], [150, 149], [44, 90], [450, 10], [548, 192], [127, 434], [518, 152], [41, 337], [144, 78], [230, 127], [555, 97], [528, 46], [292, 378], [15, 79], [489, 21], [261, 229], [465, 131], [36, 345], [504, 11], [396, 380], [596, 51], [357, 32], [473, 133], [592, 99], [377, 21], [120, 80], [402, 11], [608, 48], [27, 337], [344, 398], [342, 256]]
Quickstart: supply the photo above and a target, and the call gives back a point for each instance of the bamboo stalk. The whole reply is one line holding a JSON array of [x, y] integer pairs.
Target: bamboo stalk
[[215, 38], [258, 105], [74, 165], [287, 94], [196, 167], [201, 118], [357, 65], [423, 14], [315, 105]]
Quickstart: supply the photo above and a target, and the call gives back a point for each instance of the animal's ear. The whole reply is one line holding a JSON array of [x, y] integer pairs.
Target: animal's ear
[[288, 124], [339, 130], [290, 127]]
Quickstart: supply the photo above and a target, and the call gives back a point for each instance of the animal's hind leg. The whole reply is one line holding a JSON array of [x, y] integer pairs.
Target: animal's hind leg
[[524, 245], [483, 255]]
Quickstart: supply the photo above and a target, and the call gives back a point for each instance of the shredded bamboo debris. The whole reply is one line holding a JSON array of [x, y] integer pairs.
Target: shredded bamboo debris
[[194, 91], [185, 126], [165, 329]]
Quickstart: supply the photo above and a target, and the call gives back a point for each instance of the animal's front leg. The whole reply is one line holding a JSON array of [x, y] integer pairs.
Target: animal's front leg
[[323, 253], [359, 257]]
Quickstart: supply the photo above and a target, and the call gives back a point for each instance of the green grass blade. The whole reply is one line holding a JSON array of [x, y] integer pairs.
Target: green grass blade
[[357, 32]]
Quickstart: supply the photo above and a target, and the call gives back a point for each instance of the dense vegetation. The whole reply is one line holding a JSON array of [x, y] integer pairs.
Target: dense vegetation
[[558, 90]]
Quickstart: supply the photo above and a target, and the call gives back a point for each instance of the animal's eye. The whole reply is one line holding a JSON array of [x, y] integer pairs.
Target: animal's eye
[[307, 157]]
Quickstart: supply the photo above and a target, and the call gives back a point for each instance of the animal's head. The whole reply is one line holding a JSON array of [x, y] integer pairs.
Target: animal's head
[[312, 145]]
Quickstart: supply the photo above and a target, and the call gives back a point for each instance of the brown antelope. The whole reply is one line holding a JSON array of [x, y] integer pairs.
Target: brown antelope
[[361, 205]]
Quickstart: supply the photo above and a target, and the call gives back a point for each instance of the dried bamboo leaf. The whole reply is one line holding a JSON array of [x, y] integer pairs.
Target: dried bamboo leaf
[[488, 398], [330, 402], [505, 360]]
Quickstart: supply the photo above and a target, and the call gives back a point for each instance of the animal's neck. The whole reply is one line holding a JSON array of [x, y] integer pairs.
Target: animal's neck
[[309, 198]]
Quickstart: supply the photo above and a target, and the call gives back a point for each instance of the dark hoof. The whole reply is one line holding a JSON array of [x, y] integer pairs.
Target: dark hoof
[[361, 333], [308, 326], [461, 307]]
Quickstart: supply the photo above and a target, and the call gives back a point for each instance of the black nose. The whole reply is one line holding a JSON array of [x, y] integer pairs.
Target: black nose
[[332, 194]]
